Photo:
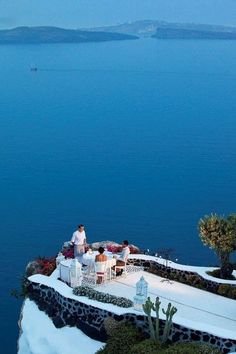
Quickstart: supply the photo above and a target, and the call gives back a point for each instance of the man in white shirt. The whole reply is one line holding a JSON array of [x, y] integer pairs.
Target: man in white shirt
[[79, 240], [121, 261]]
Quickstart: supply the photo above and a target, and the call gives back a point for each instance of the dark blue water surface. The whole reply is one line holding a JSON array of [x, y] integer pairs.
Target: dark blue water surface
[[135, 139]]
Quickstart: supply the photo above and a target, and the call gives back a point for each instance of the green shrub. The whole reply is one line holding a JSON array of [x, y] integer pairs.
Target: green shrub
[[174, 276], [189, 348], [199, 286], [182, 279], [111, 325], [195, 280], [41, 265], [216, 273], [122, 340], [22, 292], [102, 297], [147, 346], [225, 290], [233, 292]]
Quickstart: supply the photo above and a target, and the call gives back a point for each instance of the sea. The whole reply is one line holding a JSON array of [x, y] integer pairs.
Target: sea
[[134, 139]]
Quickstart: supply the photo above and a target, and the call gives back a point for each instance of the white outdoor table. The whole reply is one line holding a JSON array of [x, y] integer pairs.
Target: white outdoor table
[[89, 260]]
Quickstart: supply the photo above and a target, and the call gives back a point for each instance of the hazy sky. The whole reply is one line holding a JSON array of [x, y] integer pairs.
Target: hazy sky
[[79, 13]]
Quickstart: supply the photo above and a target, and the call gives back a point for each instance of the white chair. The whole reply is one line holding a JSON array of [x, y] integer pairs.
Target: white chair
[[101, 271], [110, 266], [121, 267]]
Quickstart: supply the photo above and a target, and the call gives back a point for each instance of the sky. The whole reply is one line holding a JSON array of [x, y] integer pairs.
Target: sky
[[89, 13]]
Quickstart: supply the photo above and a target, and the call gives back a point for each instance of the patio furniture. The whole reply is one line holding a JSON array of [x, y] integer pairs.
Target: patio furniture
[[101, 269], [122, 267], [89, 260]]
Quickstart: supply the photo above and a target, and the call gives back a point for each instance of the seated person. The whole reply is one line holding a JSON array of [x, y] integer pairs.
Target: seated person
[[121, 261], [100, 258]]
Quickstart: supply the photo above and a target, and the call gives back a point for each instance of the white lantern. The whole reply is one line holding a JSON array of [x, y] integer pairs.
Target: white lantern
[[75, 273], [59, 258], [141, 294]]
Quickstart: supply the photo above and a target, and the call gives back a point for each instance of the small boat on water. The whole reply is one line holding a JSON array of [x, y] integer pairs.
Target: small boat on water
[[33, 67]]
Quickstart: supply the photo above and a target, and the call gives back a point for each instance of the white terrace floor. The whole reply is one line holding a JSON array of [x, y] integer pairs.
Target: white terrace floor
[[197, 309]]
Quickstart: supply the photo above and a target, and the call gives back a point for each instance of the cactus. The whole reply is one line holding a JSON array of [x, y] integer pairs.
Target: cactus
[[171, 310], [155, 331], [156, 308], [147, 308]]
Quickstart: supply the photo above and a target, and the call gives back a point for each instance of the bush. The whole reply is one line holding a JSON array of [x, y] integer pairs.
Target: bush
[[102, 297], [147, 346], [122, 341], [233, 293], [225, 290], [194, 280], [41, 265], [116, 248], [190, 348], [111, 326], [68, 250], [216, 273], [22, 292]]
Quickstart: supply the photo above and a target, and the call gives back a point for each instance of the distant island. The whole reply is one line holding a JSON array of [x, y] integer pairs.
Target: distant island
[[166, 30], [47, 34], [125, 31], [194, 32]]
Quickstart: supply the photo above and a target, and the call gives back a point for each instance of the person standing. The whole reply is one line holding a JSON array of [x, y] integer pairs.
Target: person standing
[[79, 241]]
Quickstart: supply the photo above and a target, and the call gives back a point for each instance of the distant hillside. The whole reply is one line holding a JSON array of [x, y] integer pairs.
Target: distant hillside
[[178, 33], [37, 35], [161, 29], [134, 30], [145, 28], [191, 31]]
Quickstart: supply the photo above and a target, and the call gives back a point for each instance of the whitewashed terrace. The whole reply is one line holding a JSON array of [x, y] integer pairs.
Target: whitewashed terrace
[[197, 309]]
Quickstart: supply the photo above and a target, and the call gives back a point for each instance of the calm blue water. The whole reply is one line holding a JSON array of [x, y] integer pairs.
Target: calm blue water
[[134, 139]]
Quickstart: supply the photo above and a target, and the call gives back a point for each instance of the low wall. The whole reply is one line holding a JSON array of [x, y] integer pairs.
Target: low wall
[[70, 312], [185, 276]]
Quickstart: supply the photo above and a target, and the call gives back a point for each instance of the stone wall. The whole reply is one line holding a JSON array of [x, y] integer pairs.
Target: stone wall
[[184, 276], [69, 312]]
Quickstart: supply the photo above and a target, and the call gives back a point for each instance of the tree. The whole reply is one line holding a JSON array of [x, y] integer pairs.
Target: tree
[[232, 223], [218, 233]]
